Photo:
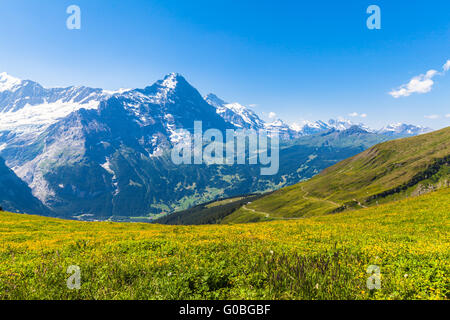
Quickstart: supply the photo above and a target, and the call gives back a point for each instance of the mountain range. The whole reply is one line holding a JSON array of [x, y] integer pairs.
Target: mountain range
[[87, 152]]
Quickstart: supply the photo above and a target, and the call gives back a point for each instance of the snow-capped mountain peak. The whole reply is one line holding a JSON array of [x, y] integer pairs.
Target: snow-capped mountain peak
[[162, 90], [238, 108], [27, 107], [235, 113], [340, 124], [284, 130], [8, 82], [404, 129], [277, 123], [171, 80], [214, 100], [306, 125]]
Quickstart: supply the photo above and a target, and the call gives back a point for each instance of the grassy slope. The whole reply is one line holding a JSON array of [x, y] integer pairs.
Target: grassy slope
[[360, 181], [318, 258]]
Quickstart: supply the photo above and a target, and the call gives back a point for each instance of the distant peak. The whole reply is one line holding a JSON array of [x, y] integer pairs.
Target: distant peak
[[165, 88], [277, 123], [8, 82], [5, 75], [309, 125], [356, 129], [214, 100], [403, 128]]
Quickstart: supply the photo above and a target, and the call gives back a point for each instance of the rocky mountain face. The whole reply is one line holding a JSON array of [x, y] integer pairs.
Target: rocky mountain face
[[15, 195], [235, 113], [86, 151]]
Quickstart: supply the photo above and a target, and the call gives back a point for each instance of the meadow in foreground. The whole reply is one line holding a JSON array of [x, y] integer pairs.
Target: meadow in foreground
[[317, 258]]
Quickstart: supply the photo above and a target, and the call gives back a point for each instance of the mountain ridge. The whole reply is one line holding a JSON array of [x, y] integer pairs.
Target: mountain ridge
[[385, 172], [16, 94]]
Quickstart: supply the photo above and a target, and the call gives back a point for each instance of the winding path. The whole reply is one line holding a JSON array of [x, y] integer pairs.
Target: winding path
[[305, 196], [265, 214]]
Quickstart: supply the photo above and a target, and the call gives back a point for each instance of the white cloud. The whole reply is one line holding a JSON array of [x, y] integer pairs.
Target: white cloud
[[447, 115], [419, 84], [272, 115], [356, 114], [446, 66], [254, 105], [432, 116]]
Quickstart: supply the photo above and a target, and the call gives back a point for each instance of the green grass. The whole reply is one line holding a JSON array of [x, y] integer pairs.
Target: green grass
[[388, 171], [324, 257]]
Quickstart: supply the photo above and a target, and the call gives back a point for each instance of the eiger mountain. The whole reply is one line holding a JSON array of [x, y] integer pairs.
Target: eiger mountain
[[86, 151], [92, 160]]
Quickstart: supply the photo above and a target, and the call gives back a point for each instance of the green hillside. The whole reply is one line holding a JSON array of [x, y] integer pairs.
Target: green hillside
[[388, 171]]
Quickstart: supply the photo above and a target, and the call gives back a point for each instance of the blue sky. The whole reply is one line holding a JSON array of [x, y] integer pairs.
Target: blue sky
[[299, 59]]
